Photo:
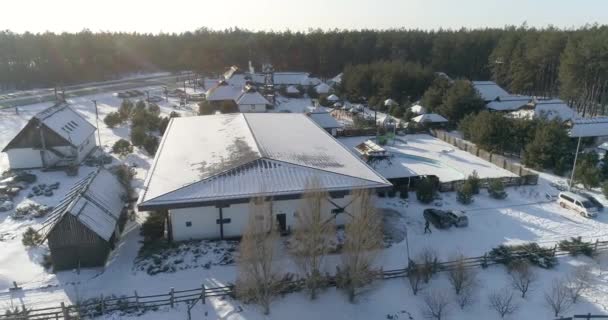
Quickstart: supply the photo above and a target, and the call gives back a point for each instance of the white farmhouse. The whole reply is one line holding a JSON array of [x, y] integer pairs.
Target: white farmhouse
[[208, 168], [55, 137]]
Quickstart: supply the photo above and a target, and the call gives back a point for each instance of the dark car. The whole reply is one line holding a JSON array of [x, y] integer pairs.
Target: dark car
[[443, 219]]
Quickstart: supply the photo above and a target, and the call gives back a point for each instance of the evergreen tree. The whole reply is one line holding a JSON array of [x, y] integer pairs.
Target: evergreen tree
[[460, 100], [550, 144]]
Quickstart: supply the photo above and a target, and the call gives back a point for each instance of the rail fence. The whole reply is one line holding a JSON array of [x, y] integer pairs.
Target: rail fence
[[524, 176], [100, 306]]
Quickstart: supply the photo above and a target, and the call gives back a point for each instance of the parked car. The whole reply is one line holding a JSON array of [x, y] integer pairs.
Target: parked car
[[155, 99], [577, 203], [597, 203], [443, 219]]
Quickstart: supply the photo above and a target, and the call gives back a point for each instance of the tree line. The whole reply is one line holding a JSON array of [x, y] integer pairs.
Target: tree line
[[525, 60]]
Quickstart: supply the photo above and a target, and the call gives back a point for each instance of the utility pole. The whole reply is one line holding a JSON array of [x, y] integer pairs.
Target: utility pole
[[97, 121], [166, 93], [578, 145], [147, 96]]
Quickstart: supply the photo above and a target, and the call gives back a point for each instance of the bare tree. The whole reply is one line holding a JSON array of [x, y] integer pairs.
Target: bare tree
[[363, 238], [558, 299], [257, 279], [502, 302], [578, 282], [312, 235], [460, 276], [466, 296], [436, 305], [522, 276], [429, 261], [415, 276]]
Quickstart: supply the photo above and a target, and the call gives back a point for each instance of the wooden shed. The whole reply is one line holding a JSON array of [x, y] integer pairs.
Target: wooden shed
[[82, 229]]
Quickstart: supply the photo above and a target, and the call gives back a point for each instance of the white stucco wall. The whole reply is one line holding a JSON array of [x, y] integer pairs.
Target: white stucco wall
[[205, 226], [23, 158]]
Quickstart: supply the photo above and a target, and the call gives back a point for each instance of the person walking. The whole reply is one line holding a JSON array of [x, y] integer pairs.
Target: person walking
[[427, 227]]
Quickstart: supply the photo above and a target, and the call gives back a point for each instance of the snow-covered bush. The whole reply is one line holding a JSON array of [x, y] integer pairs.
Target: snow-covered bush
[[122, 147], [425, 190], [576, 246], [496, 189], [151, 144], [154, 226], [464, 194], [532, 252], [112, 119], [474, 182], [31, 237], [138, 135]]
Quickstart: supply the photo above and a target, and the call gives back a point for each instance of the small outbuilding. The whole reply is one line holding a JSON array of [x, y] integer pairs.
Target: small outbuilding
[[326, 121], [83, 228], [55, 137], [430, 119], [323, 88], [390, 102], [333, 98], [418, 109]]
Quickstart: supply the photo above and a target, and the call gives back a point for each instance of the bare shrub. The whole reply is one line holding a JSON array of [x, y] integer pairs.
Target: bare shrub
[[522, 276], [558, 299], [578, 281], [312, 236], [430, 263], [415, 277], [363, 238], [502, 302], [466, 296], [436, 305], [258, 277], [460, 276]]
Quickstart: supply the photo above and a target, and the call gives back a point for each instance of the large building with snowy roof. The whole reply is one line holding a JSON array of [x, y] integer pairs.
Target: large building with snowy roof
[[55, 137], [83, 228], [208, 168]]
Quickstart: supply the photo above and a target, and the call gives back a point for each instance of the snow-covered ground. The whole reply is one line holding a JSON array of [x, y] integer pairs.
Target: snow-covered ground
[[526, 215], [422, 154]]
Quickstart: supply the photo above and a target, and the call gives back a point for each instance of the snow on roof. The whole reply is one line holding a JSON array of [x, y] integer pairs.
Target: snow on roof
[[589, 127], [322, 88], [196, 151], [292, 89], [67, 123], [429, 117], [223, 92], [418, 109], [554, 108], [333, 97], [325, 120], [489, 90], [337, 79], [390, 102], [509, 103], [312, 81], [287, 78], [96, 201], [249, 98]]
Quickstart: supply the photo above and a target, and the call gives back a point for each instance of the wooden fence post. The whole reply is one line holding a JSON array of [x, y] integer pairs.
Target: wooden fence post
[[102, 305], [172, 302], [136, 301], [64, 310], [203, 293]]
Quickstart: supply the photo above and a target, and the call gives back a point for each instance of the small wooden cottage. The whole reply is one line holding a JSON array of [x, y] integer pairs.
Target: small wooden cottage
[[82, 229], [55, 137]]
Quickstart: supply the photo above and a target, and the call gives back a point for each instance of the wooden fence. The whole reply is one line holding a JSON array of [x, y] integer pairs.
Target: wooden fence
[[524, 176], [130, 304]]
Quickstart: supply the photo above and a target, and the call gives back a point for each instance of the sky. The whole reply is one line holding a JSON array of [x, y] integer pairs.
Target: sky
[[151, 16]]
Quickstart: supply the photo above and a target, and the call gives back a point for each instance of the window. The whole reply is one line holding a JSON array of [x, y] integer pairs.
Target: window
[[188, 223]]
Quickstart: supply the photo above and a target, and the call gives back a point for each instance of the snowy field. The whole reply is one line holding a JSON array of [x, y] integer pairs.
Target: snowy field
[[526, 215], [422, 154]]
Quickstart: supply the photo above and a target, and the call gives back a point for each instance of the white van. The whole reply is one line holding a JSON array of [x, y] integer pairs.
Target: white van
[[577, 203]]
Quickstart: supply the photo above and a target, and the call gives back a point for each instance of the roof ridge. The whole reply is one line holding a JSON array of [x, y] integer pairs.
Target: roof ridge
[[280, 163]]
